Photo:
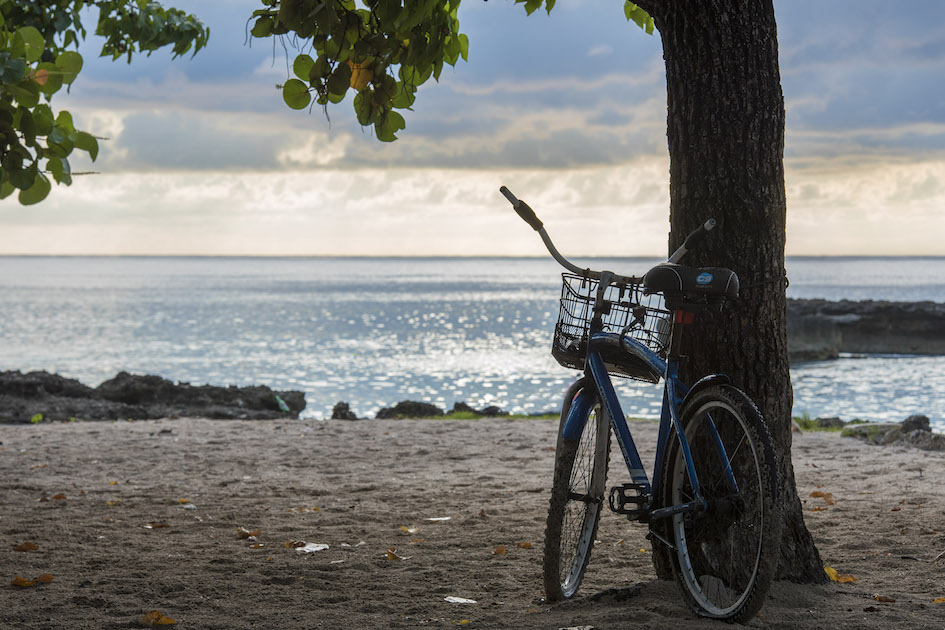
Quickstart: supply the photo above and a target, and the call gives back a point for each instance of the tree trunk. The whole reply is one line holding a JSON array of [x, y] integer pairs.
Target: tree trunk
[[726, 146]]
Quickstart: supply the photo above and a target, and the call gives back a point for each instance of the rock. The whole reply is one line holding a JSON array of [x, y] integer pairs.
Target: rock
[[410, 409], [916, 423], [829, 423], [914, 431], [925, 440], [341, 411], [462, 407], [38, 384], [128, 396], [492, 411], [821, 329], [870, 431]]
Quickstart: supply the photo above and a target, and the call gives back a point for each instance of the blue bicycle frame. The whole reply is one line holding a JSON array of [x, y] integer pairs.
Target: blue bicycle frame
[[597, 384]]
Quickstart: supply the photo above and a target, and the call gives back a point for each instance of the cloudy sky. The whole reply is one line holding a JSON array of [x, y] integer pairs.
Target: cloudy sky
[[568, 110]]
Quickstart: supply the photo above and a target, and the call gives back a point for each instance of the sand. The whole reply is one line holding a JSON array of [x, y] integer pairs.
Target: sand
[[132, 517]]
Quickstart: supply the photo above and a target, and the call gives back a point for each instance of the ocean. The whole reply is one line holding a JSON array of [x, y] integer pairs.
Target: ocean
[[375, 331]]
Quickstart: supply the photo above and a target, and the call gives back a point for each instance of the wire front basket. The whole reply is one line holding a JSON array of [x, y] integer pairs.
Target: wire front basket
[[625, 306]]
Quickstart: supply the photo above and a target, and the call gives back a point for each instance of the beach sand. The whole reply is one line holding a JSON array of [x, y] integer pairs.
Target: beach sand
[[131, 517]]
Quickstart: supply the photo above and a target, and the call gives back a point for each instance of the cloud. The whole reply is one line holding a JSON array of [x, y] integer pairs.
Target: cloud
[[600, 50]]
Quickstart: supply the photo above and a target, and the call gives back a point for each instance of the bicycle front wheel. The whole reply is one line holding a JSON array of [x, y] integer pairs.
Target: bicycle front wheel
[[726, 556], [577, 496]]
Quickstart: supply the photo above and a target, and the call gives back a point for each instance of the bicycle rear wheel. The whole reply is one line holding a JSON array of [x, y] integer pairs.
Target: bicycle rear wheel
[[577, 496], [725, 557]]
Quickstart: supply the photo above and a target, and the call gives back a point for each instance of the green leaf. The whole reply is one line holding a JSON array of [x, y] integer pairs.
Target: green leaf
[[43, 119], [639, 16], [464, 41], [319, 70], [70, 63], [262, 28], [6, 189], [55, 166], [28, 127], [390, 123], [64, 122], [363, 107], [34, 194], [404, 97], [33, 43], [59, 143], [49, 78], [26, 93], [531, 6], [452, 51], [23, 178], [13, 70], [340, 79], [296, 94], [86, 142], [302, 66]]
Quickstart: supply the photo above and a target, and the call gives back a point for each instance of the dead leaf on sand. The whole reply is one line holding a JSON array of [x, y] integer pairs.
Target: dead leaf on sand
[[155, 618], [837, 577], [26, 546], [242, 533], [23, 582], [391, 554]]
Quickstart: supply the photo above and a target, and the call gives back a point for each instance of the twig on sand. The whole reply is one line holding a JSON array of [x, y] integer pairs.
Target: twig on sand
[[938, 556]]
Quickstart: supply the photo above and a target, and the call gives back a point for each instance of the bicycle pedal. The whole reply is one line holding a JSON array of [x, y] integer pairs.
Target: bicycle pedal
[[629, 494]]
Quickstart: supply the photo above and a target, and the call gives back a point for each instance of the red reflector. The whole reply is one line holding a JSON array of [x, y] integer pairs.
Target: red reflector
[[685, 317]]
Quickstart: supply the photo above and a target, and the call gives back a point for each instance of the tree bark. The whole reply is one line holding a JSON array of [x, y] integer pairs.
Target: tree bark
[[725, 128]]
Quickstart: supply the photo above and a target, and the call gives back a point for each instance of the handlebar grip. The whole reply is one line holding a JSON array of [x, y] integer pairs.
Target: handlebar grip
[[523, 209], [693, 240]]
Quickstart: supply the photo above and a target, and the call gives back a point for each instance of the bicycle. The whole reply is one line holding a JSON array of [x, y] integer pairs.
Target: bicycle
[[714, 511]]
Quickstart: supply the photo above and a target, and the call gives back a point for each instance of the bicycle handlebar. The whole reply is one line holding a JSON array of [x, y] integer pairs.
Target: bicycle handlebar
[[692, 241], [528, 215], [523, 209]]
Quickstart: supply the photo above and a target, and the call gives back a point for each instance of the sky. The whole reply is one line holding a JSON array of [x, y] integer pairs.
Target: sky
[[567, 109]]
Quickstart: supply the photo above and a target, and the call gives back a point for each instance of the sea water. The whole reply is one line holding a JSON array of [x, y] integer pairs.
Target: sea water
[[375, 331]]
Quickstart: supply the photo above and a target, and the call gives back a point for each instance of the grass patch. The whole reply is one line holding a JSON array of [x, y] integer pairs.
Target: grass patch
[[468, 415], [806, 423]]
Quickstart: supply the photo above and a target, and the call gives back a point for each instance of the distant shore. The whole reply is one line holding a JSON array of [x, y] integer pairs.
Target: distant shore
[[822, 329]]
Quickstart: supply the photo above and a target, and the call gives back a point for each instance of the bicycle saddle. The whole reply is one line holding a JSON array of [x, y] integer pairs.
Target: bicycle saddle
[[692, 288]]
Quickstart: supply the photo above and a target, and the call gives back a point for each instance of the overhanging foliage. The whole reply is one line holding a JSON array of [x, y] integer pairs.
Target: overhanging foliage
[[35, 63]]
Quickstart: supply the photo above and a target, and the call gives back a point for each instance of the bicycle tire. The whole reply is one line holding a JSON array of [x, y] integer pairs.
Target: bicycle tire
[[577, 498], [725, 558]]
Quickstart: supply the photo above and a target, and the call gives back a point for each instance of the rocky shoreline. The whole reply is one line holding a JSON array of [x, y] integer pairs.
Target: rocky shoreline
[[41, 396], [914, 431], [822, 329]]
